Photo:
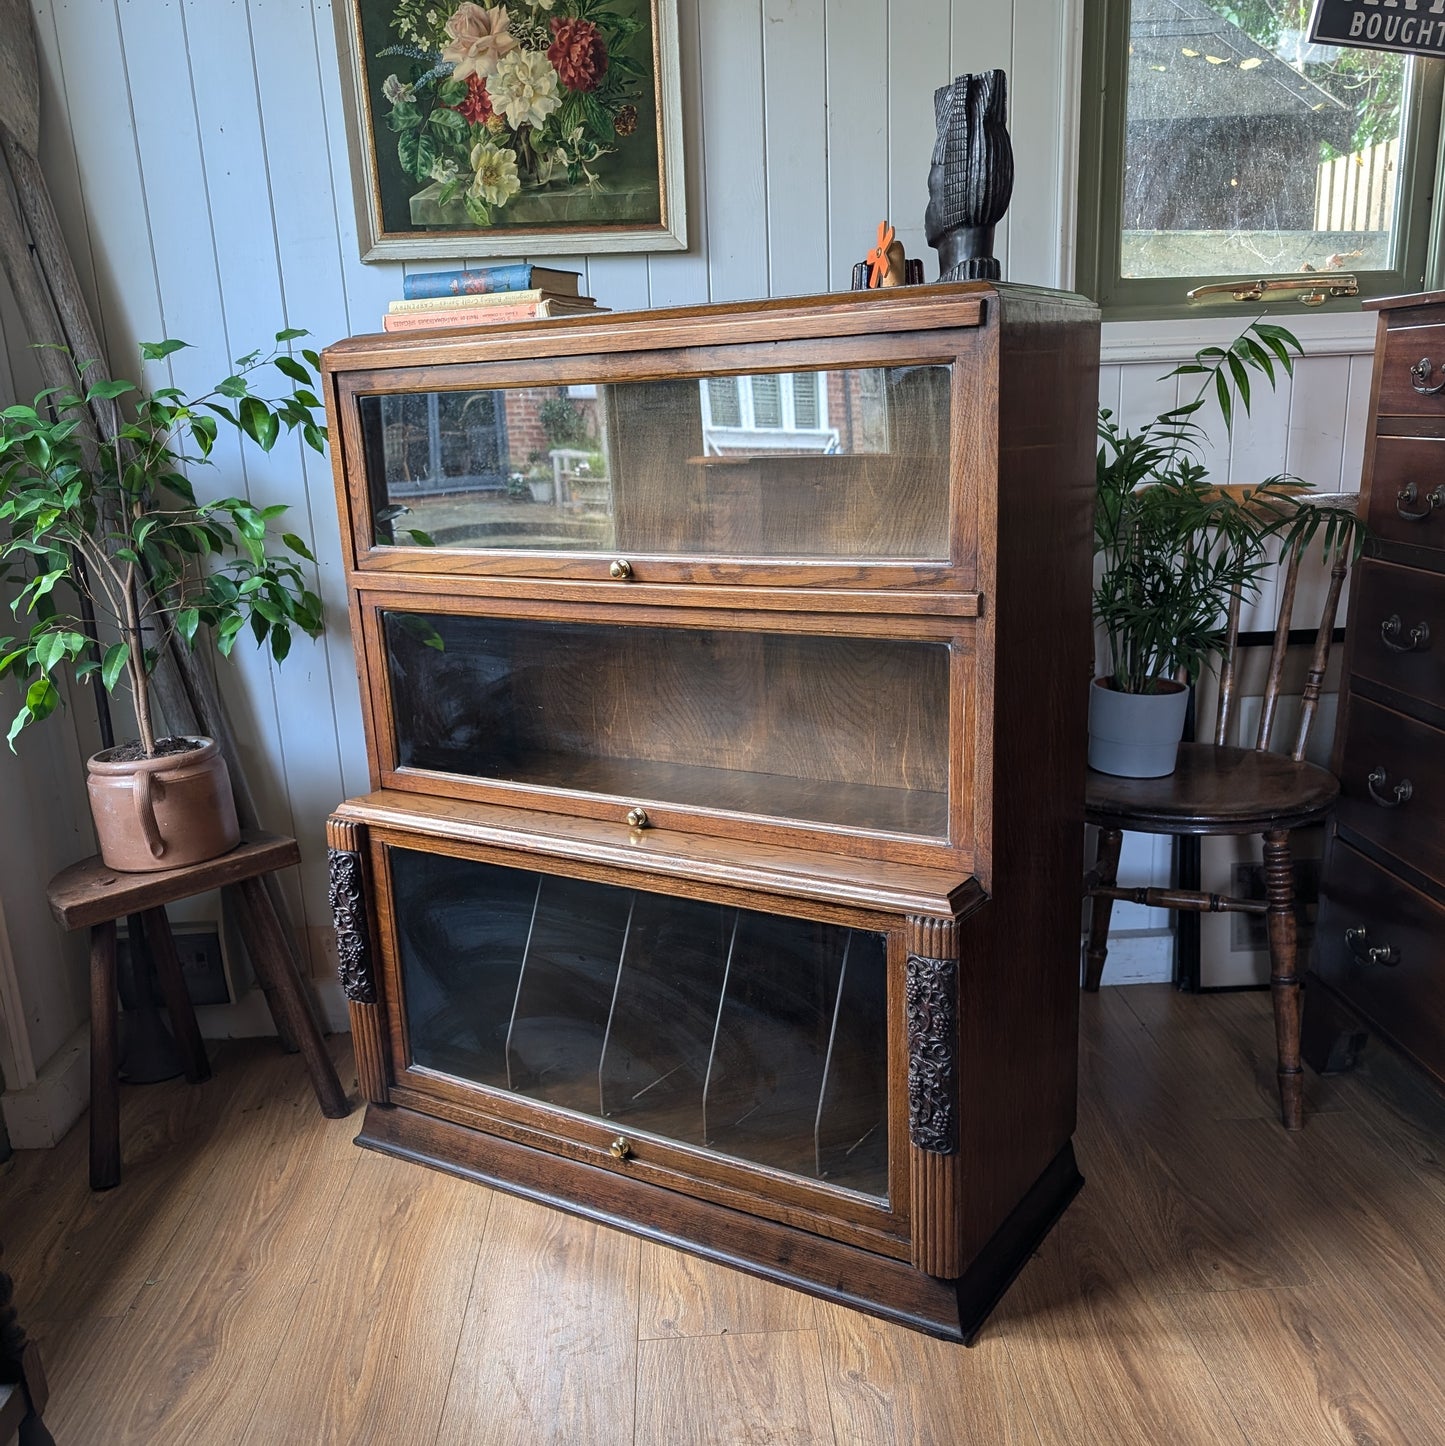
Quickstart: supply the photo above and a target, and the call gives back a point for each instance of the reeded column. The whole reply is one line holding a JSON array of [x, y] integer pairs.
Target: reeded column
[[356, 956], [935, 1171]]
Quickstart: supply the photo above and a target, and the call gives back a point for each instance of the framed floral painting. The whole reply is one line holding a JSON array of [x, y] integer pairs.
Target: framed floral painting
[[544, 127]]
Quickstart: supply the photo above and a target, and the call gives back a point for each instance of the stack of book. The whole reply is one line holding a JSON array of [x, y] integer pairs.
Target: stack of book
[[485, 295]]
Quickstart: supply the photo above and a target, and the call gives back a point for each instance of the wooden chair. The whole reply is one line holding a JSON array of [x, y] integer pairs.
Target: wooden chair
[[1220, 790]]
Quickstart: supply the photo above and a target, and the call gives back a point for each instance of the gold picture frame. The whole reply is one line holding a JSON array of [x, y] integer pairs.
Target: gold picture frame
[[513, 130]]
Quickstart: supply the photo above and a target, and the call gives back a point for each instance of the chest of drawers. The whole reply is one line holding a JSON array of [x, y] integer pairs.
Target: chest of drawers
[[1380, 943]]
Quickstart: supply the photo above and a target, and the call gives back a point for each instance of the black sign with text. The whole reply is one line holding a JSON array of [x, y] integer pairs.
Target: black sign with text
[[1413, 27]]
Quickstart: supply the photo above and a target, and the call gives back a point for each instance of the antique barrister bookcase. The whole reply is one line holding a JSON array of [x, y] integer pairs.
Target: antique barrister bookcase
[[723, 673]]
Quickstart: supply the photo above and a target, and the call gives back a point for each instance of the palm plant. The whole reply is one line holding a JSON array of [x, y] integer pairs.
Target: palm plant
[[1176, 548]]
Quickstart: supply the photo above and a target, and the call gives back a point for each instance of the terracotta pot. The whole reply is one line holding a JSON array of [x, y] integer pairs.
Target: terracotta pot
[[162, 813], [1136, 735]]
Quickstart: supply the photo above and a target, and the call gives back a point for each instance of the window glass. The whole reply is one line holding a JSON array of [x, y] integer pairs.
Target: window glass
[[1249, 151]]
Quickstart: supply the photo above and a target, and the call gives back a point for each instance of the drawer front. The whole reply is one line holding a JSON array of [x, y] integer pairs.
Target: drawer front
[[1407, 491], [1381, 944], [1412, 372], [1398, 621], [1392, 784]]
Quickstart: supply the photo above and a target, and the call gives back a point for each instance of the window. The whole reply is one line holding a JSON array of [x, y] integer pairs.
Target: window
[[772, 411], [1217, 144]]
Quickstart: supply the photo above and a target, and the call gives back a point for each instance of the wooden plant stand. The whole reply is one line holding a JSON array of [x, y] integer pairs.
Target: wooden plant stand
[[90, 895]]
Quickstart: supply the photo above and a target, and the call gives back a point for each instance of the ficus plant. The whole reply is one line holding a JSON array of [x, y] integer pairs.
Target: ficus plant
[[1175, 547], [119, 533]]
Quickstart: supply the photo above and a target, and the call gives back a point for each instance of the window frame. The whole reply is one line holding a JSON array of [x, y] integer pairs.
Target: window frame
[[750, 432], [1102, 124]]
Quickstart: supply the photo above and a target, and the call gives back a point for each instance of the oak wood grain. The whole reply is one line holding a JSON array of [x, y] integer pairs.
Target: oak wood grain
[[755, 1390], [685, 1295], [548, 1350], [1118, 1332], [412, 1288], [886, 1384]]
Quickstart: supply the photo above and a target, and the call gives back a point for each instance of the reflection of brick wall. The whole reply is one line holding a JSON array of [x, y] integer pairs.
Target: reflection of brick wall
[[845, 394], [525, 434]]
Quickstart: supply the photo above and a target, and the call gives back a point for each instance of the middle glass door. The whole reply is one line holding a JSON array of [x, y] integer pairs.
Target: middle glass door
[[804, 728]]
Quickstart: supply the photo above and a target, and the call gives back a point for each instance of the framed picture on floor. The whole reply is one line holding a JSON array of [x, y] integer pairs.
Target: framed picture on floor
[[513, 130]]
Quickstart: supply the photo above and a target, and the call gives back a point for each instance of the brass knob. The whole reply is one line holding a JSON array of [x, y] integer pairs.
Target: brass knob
[[637, 817], [620, 1149], [621, 569]]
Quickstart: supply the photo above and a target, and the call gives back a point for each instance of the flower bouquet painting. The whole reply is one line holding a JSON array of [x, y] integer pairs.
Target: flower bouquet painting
[[544, 126]]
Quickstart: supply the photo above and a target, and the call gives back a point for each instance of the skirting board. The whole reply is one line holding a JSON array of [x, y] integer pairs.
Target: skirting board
[[38, 1116], [248, 1017], [1144, 956]]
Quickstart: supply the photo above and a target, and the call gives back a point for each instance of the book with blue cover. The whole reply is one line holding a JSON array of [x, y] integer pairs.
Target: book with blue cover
[[516, 276]]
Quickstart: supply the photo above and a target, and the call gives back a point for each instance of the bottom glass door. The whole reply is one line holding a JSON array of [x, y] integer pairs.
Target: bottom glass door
[[754, 1035]]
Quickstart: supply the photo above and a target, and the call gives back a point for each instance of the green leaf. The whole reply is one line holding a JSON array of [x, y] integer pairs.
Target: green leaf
[[404, 116], [447, 123], [108, 391], [417, 152], [314, 436], [477, 211], [297, 546], [156, 350], [289, 366], [226, 633], [292, 333], [113, 664], [42, 699], [259, 423], [204, 430], [233, 386], [280, 643], [49, 651], [422, 539], [187, 621]]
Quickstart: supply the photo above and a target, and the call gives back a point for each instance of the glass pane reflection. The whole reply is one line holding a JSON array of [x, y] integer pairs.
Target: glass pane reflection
[[814, 464], [754, 1035]]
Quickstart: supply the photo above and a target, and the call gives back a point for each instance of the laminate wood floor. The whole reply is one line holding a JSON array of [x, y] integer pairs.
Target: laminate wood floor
[[256, 1278]]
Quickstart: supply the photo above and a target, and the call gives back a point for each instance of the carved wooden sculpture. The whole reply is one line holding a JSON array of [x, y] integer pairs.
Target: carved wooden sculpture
[[972, 176]]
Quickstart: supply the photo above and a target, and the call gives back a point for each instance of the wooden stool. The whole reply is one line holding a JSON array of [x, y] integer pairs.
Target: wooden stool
[[89, 894]]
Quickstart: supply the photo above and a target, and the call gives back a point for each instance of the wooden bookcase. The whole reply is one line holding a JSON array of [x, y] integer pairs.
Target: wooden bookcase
[[720, 877]]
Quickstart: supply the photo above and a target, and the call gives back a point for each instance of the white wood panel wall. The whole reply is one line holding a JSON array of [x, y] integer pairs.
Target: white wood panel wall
[[197, 156]]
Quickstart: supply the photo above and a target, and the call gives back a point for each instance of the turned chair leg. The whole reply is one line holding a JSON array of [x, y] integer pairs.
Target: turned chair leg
[[1106, 870], [1283, 979]]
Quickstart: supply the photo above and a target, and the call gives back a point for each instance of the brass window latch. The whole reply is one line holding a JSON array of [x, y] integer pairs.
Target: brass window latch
[[1313, 288]]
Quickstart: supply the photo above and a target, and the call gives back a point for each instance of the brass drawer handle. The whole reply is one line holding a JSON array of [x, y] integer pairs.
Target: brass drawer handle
[[1420, 375], [637, 817], [1401, 792], [1357, 940], [1408, 495], [621, 569], [620, 1149], [1419, 635]]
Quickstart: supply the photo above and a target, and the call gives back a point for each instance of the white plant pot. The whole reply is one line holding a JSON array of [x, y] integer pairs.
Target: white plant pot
[[540, 488], [1136, 735]]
